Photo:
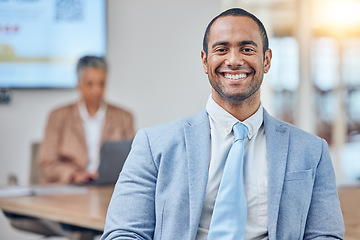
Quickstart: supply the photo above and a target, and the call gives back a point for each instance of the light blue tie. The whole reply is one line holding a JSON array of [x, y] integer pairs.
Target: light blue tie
[[228, 221]]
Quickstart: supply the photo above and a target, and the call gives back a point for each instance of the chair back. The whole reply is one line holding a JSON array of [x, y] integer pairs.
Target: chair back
[[35, 174]]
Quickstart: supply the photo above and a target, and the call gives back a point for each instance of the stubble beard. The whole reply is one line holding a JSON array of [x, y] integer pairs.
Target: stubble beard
[[235, 98]]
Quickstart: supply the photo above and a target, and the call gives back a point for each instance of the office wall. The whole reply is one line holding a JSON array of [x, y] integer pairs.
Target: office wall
[[155, 72], [154, 50]]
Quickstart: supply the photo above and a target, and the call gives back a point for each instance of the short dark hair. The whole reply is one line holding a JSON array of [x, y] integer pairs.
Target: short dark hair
[[90, 61], [237, 12]]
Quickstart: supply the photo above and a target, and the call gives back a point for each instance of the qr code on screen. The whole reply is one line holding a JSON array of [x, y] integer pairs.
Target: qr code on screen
[[69, 10]]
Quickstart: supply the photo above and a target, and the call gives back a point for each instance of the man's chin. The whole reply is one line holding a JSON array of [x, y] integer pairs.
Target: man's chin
[[235, 97]]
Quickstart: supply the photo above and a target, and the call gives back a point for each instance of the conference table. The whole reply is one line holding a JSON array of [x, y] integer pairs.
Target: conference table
[[88, 210], [350, 206]]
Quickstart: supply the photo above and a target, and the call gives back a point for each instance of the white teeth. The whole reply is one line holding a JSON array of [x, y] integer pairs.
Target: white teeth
[[235, 77]]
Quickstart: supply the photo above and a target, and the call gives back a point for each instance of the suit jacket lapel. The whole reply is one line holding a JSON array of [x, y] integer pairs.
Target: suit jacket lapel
[[277, 143], [197, 140], [108, 123], [77, 125]]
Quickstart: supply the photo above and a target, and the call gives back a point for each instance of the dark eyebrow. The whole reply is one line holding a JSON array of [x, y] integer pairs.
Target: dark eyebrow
[[248, 42], [242, 43], [220, 43]]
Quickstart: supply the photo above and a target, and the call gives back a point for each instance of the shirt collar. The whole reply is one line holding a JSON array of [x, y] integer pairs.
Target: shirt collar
[[84, 114], [226, 121]]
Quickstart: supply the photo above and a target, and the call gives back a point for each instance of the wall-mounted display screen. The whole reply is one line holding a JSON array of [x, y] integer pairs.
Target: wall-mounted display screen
[[41, 40]]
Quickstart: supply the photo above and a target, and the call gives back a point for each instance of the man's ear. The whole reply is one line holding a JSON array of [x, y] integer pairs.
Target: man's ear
[[267, 60], [204, 61]]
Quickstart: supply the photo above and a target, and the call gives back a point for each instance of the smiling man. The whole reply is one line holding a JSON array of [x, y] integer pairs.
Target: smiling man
[[235, 60], [232, 171]]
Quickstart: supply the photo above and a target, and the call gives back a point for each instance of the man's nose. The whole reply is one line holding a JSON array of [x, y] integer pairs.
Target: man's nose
[[234, 59]]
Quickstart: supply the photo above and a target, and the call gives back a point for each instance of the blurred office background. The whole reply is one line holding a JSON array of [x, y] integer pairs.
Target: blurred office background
[[153, 49]]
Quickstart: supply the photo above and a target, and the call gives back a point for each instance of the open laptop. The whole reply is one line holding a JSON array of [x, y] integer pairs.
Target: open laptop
[[112, 158]]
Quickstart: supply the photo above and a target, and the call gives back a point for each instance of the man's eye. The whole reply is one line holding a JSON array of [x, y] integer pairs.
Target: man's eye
[[221, 50], [247, 50]]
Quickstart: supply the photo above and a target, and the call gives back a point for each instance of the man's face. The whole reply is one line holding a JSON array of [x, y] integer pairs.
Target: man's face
[[92, 85], [235, 62]]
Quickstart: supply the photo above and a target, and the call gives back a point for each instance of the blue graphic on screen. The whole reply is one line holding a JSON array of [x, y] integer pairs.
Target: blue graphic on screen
[[41, 40]]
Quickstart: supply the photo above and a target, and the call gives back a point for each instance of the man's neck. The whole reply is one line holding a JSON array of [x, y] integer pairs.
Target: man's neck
[[242, 109]]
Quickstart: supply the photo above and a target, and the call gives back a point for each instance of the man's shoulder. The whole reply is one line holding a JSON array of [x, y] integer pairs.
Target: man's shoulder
[[172, 134], [275, 124], [190, 120]]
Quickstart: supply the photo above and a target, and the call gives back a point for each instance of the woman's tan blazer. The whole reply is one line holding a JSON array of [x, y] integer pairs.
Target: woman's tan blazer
[[63, 150]]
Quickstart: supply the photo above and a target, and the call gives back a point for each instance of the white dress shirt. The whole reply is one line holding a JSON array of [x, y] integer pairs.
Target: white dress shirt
[[93, 126], [255, 169]]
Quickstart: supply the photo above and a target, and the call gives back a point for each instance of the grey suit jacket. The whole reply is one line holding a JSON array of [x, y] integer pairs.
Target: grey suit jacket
[[161, 190]]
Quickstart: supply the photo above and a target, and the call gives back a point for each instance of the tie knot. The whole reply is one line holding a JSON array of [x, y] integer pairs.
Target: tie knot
[[240, 131]]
